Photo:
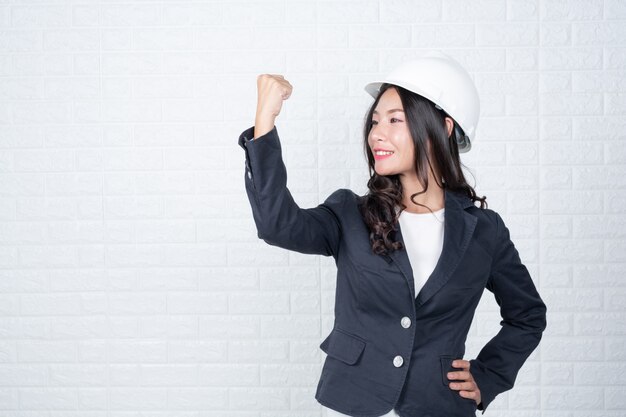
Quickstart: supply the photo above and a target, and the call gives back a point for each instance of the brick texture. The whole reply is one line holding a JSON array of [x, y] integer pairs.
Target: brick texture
[[132, 281]]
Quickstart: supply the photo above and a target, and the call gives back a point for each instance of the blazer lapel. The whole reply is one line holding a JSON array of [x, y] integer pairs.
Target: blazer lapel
[[459, 227]]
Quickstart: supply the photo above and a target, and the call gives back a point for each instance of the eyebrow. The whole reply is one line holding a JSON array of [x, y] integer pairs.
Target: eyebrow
[[390, 111]]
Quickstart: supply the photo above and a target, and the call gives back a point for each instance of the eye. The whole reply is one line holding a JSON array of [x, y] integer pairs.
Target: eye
[[374, 122], [393, 120]]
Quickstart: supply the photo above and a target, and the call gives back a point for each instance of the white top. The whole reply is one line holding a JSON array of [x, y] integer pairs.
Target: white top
[[423, 238]]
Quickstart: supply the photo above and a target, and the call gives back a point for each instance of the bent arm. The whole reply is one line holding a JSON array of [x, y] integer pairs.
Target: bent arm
[[523, 321], [279, 220]]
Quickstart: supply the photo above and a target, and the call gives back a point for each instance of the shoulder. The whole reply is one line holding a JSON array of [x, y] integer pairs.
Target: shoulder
[[340, 197], [489, 217], [460, 199], [344, 203], [492, 231]]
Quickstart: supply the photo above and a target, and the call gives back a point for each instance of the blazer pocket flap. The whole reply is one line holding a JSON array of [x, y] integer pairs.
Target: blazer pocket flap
[[343, 346]]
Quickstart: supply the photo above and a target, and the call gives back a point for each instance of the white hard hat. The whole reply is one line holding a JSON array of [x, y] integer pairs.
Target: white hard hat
[[443, 81]]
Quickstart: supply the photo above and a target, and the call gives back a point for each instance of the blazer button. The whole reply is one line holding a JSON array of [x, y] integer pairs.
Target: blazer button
[[405, 322], [398, 361], [249, 174]]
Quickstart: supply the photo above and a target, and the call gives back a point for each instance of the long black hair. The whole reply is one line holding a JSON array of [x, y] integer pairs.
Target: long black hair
[[425, 123]]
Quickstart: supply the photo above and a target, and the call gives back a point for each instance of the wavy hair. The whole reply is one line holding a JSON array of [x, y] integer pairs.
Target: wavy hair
[[426, 123]]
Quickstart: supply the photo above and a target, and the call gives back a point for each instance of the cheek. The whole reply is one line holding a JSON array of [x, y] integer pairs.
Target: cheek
[[408, 150], [409, 157]]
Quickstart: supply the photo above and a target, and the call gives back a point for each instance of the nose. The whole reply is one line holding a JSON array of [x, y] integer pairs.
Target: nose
[[376, 133]]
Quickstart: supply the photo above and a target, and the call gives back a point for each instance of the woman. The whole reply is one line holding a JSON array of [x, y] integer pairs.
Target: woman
[[408, 281]]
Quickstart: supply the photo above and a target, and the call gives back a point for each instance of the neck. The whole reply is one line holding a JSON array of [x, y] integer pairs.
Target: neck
[[433, 198]]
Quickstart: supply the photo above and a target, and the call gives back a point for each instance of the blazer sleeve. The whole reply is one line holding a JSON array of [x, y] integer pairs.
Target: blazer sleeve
[[279, 220], [523, 321]]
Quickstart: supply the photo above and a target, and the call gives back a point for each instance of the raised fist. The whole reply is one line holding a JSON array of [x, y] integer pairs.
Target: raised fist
[[272, 89]]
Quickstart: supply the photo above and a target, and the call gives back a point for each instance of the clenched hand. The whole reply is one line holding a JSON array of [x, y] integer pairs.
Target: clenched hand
[[272, 90]]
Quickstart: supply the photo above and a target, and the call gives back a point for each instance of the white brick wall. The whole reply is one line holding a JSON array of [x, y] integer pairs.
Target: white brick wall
[[132, 282]]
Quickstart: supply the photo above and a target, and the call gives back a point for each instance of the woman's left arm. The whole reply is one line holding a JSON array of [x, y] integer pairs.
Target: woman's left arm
[[523, 322]]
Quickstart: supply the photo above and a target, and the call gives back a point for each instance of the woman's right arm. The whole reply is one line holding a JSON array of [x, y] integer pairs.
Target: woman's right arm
[[279, 220]]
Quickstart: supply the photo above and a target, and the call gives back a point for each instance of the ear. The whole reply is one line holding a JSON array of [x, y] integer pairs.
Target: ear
[[449, 125]]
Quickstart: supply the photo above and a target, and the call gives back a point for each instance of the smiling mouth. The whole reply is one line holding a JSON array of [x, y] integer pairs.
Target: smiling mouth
[[378, 155]]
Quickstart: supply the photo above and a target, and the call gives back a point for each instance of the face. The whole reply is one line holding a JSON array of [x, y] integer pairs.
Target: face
[[389, 139]]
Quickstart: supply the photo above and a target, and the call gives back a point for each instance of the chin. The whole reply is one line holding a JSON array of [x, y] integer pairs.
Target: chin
[[384, 172]]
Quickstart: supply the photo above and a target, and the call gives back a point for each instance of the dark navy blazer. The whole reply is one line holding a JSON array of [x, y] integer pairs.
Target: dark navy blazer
[[389, 347]]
